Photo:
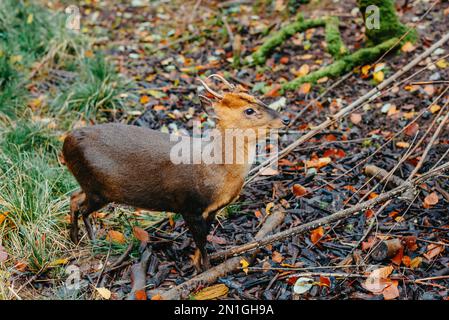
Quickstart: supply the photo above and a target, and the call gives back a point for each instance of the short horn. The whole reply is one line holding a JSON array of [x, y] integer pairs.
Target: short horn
[[226, 82], [212, 92]]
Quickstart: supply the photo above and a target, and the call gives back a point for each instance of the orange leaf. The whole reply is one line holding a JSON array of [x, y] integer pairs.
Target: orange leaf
[[430, 200], [157, 297], [284, 60], [141, 295], [277, 257], [144, 99], [406, 261], [356, 118], [433, 251], [299, 190], [397, 259], [408, 47], [325, 281], [141, 234], [411, 129], [316, 235], [115, 236], [305, 88], [318, 163]]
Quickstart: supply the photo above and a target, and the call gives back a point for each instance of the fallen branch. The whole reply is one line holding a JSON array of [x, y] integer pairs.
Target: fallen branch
[[340, 215], [210, 276]]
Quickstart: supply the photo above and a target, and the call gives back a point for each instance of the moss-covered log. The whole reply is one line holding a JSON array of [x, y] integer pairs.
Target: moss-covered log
[[300, 25], [389, 25], [335, 45], [345, 64]]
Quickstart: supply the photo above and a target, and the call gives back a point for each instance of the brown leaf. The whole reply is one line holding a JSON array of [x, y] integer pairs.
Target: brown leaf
[[430, 200], [277, 257], [141, 234], [391, 292], [433, 251], [411, 129], [378, 280], [299, 190], [216, 239]]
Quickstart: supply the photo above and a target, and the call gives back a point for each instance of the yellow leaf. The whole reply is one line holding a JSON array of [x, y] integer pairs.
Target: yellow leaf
[[115, 236], [442, 64], [211, 292], [245, 265], [434, 108], [15, 59], [365, 70], [104, 293], [318, 163], [269, 207], [89, 54], [415, 262], [30, 19], [378, 76], [59, 262]]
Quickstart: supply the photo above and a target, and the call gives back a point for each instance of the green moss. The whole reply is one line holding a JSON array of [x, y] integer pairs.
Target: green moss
[[300, 25], [345, 64], [390, 26], [335, 45]]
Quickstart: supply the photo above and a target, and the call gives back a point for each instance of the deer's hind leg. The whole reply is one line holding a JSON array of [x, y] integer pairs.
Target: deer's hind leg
[[85, 205], [76, 199]]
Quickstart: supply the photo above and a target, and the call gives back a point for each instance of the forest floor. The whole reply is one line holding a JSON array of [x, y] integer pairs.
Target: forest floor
[[158, 50]]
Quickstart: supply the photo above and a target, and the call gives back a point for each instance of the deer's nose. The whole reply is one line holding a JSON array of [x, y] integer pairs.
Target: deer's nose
[[285, 121]]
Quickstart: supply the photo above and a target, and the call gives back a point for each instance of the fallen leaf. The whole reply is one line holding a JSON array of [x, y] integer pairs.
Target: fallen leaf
[[3, 216], [140, 295], [144, 99], [299, 190], [211, 292], [156, 297], [407, 47], [415, 263], [115, 236], [215, 239], [302, 285], [411, 129], [325, 281], [442, 64], [356, 118], [430, 200], [104, 293], [284, 60], [277, 257], [141, 234], [378, 280], [433, 251], [268, 208], [434, 108], [391, 292], [318, 163], [245, 265], [402, 144], [303, 70], [316, 235], [378, 76], [305, 88]]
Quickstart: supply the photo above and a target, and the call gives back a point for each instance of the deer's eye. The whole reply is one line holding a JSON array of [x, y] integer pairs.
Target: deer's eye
[[250, 111]]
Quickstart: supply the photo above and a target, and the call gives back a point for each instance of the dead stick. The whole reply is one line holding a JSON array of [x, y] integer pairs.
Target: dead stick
[[343, 214], [368, 97], [183, 290]]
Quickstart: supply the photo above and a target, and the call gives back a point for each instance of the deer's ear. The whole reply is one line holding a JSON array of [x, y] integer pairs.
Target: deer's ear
[[207, 105]]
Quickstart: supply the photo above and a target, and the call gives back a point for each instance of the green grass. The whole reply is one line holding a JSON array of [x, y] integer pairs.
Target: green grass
[[34, 186]]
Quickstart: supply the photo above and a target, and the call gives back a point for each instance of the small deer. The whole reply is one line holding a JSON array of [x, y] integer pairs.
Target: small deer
[[131, 165]]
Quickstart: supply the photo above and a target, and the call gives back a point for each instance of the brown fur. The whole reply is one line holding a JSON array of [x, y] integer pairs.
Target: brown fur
[[131, 165]]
